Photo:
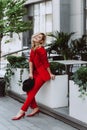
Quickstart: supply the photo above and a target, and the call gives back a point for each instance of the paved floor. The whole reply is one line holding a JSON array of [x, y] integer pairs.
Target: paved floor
[[9, 107]]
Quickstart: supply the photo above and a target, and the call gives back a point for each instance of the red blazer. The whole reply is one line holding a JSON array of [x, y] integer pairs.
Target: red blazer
[[40, 62]]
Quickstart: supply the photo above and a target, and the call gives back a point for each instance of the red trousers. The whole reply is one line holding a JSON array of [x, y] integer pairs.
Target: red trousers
[[30, 100]]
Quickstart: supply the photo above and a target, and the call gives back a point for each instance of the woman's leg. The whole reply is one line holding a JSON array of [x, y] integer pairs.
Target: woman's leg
[[31, 94], [30, 100], [33, 104]]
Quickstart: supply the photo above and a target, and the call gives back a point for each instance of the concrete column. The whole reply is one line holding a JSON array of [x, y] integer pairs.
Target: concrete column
[[56, 14], [76, 17]]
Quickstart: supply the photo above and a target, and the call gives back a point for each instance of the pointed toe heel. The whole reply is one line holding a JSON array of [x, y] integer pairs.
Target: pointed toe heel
[[33, 114], [19, 117]]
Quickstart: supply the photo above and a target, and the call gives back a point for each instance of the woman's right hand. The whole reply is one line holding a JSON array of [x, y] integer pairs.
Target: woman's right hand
[[31, 76]]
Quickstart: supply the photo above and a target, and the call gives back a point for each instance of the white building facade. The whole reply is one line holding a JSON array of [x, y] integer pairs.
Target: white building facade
[[48, 16]]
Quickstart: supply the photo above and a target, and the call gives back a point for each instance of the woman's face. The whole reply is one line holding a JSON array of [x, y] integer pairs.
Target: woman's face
[[38, 38]]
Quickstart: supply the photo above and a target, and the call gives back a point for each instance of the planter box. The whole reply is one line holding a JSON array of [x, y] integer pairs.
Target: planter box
[[54, 92], [15, 87], [78, 105]]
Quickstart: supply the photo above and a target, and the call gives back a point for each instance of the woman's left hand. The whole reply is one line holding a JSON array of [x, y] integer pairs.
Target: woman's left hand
[[52, 76]]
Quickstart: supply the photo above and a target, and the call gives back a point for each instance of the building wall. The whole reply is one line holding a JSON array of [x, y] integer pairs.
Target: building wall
[[9, 45], [65, 15]]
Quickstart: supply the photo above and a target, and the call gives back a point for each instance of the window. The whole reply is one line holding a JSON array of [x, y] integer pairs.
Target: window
[[86, 16], [41, 15]]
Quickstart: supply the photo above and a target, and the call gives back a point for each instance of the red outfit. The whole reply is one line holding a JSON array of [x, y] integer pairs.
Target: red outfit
[[40, 64]]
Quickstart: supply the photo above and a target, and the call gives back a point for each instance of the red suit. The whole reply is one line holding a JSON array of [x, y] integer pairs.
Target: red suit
[[40, 64]]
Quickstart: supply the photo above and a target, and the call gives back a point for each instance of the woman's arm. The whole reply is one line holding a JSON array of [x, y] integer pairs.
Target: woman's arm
[[31, 70], [45, 62], [31, 65], [51, 75]]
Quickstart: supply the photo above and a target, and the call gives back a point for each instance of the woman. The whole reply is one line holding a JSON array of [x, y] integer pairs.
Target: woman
[[39, 70]]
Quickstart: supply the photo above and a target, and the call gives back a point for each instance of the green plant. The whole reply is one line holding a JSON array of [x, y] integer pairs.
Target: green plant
[[15, 62], [8, 75], [57, 68], [80, 78], [11, 18], [60, 44], [79, 46]]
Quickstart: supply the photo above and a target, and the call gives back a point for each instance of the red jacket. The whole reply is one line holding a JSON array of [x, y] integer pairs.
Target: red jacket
[[40, 62]]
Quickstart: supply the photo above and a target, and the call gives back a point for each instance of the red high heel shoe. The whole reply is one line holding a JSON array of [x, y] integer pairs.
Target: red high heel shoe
[[18, 118], [33, 114]]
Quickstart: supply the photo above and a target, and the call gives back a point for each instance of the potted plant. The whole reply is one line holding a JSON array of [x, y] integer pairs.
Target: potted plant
[[60, 44], [54, 92], [16, 73], [78, 94], [79, 47]]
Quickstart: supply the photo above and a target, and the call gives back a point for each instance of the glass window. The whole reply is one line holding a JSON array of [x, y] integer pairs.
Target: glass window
[[43, 18], [36, 9], [86, 16], [48, 23], [42, 23], [36, 24], [41, 15], [42, 8], [43, 12], [49, 7], [86, 21]]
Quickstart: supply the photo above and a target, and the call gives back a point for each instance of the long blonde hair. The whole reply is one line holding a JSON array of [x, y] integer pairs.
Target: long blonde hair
[[33, 43]]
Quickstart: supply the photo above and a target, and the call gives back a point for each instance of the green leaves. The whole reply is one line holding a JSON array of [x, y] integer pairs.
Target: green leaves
[[57, 68], [18, 62], [15, 62], [11, 17], [60, 43], [79, 45], [80, 78]]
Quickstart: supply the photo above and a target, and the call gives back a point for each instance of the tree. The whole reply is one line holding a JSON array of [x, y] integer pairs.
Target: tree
[[11, 18]]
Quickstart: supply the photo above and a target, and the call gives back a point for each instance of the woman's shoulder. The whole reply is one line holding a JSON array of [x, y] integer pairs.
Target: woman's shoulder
[[32, 51], [41, 49]]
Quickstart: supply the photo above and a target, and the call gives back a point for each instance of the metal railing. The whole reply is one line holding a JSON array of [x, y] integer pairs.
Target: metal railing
[[3, 64]]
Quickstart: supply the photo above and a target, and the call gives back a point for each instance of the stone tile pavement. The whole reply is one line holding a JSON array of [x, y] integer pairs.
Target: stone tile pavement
[[9, 107]]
